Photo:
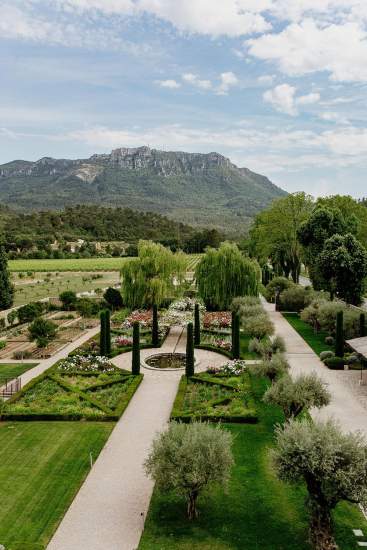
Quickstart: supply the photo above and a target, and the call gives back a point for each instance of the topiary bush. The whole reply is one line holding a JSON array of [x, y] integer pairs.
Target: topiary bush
[[277, 284], [330, 340], [295, 298], [335, 363], [326, 355], [258, 326]]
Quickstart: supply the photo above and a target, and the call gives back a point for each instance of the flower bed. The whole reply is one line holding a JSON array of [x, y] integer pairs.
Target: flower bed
[[86, 363], [217, 319], [232, 368], [144, 317]]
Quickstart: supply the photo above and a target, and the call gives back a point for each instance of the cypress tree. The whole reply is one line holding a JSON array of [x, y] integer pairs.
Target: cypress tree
[[102, 334], [197, 325], [339, 337], [135, 365], [362, 325], [155, 327], [190, 353], [6, 288], [235, 336], [108, 331]]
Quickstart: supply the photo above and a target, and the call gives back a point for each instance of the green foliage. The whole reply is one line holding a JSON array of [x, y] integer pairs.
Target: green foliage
[[190, 351], [155, 327], [321, 315], [295, 298], [352, 211], [257, 326], [188, 458], [339, 335], [273, 368], [12, 317], [135, 360], [333, 465], [335, 363], [343, 264], [362, 325], [149, 279], [68, 299], [274, 233], [107, 321], [223, 274], [30, 311], [102, 334], [113, 298], [277, 285], [42, 331], [235, 336], [6, 288], [295, 396], [87, 307]]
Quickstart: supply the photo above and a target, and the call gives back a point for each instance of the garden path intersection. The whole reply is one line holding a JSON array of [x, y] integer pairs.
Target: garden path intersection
[[109, 511]]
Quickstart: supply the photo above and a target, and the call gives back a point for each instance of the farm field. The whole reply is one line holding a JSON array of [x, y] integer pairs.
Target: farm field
[[43, 466], [41, 286], [82, 264]]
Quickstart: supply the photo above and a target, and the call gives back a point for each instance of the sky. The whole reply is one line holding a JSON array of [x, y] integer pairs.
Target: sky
[[278, 86]]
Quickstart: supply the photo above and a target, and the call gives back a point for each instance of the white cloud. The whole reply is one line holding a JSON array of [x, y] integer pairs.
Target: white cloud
[[193, 79], [283, 98], [227, 80], [330, 116], [266, 79], [307, 47], [170, 83]]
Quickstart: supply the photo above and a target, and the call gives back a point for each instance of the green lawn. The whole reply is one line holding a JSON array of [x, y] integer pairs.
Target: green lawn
[[315, 340], [258, 512], [42, 467], [13, 370]]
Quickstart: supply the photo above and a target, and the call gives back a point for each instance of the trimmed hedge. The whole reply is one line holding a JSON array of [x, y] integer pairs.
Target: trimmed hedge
[[209, 347]]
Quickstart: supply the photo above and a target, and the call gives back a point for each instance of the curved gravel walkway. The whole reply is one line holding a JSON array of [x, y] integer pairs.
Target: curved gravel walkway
[[345, 406], [109, 511]]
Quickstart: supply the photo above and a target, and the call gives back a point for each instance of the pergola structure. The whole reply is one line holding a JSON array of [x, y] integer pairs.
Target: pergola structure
[[359, 345]]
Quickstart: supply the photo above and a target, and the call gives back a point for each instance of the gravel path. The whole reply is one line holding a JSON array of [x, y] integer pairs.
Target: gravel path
[[345, 405], [108, 512]]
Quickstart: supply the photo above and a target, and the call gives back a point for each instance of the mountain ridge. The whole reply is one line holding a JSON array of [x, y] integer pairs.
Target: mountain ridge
[[196, 188]]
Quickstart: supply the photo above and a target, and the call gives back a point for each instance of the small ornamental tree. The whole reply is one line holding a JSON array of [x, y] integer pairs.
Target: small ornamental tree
[[273, 368], [332, 464], [155, 327], [339, 335], [296, 396], [43, 331], [102, 334], [68, 299], [362, 325], [189, 458], [6, 288], [113, 298], [190, 354], [197, 333], [135, 360], [107, 321], [235, 336]]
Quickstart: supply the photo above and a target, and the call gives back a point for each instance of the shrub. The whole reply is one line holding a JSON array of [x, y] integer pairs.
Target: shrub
[[273, 368], [188, 458], [330, 341], [68, 299], [332, 465], [19, 355], [295, 298], [113, 298], [87, 307], [2, 344], [42, 331], [296, 396], [258, 326], [267, 347], [29, 312], [335, 363], [277, 284], [244, 301], [326, 354]]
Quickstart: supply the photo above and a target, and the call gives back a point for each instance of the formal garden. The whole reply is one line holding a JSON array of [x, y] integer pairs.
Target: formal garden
[[241, 451]]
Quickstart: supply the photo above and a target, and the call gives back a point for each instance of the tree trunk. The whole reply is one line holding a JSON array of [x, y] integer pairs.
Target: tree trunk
[[321, 529], [191, 505]]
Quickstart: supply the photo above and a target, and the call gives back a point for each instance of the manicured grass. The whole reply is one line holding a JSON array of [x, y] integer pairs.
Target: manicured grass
[[13, 370], [42, 467], [258, 512], [315, 340]]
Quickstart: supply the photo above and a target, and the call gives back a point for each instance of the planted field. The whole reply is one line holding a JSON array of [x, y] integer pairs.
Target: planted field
[[258, 511], [43, 465], [67, 394], [216, 398]]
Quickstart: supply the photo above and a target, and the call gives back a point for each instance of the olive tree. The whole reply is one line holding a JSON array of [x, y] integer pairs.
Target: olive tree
[[43, 331], [332, 464], [296, 396], [272, 368], [188, 458]]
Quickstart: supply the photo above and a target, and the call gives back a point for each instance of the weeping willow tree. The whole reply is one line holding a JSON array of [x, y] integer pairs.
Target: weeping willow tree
[[225, 273], [154, 275]]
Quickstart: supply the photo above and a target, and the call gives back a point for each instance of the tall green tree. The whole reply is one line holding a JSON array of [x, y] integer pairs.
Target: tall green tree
[[155, 274], [190, 351], [155, 327], [343, 264], [197, 328], [321, 225], [274, 234], [6, 288], [135, 359], [223, 274], [353, 212]]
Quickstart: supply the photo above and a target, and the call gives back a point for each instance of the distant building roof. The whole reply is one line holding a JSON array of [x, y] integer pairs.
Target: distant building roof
[[359, 345]]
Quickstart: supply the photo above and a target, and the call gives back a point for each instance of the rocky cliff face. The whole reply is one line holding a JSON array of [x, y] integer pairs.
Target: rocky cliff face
[[199, 189]]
